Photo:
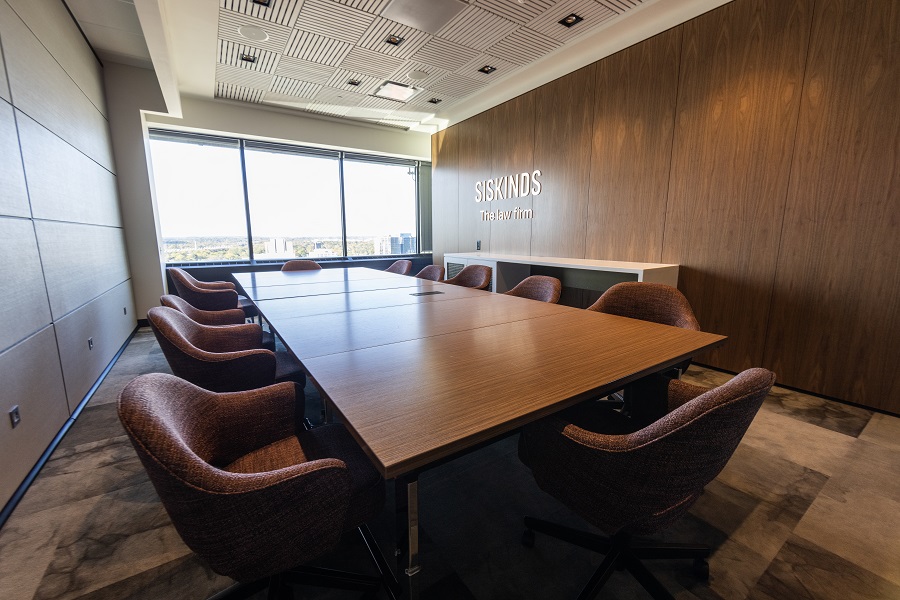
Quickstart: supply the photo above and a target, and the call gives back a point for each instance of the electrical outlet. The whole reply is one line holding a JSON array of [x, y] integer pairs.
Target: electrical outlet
[[14, 417], [478, 245], [90, 343], [124, 310]]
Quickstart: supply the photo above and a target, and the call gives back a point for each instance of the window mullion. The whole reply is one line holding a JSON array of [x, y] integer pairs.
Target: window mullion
[[343, 205], [246, 202]]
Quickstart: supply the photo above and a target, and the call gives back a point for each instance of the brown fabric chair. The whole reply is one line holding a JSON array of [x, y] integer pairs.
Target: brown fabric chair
[[223, 358], [472, 276], [636, 482], [210, 295], [301, 265], [233, 316], [538, 287], [251, 495], [654, 302], [431, 272], [400, 267]]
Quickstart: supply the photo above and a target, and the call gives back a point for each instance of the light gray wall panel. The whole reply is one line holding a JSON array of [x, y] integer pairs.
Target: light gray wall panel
[[102, 320], [13, 197], [32, 380], [51, 23], [45, 92], [24, 309], [4, 86], [64, 184], [80, 262]]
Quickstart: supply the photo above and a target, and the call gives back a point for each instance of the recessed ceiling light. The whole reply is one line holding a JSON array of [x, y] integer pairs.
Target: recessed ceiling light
[[435, 100], [252, 32], [570, 20], [395, 91], [417, 75], [487, 69], [262, 2], [353, 82], [394, 40], [248, 58]]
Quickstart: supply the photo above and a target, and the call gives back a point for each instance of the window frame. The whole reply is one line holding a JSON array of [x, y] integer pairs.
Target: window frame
[[295, 149]]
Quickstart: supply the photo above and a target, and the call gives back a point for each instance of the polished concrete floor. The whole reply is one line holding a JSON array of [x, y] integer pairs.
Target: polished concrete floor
[[808, 507]]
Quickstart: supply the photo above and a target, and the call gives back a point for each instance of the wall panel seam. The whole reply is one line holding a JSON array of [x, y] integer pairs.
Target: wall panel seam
[[662, 241], [26, 338], [56, 135], [80, 306]]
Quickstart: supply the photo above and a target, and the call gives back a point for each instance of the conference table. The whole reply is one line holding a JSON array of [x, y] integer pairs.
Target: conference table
[[421, 372]]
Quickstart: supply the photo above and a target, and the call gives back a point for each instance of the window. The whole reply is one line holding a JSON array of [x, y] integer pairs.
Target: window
[[200, 199], [381, 208], [223, 199]]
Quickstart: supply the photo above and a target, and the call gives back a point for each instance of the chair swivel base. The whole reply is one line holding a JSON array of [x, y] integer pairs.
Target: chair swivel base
[[622, 551]]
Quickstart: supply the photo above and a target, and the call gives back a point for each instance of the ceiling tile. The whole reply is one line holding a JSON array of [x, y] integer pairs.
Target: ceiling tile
[[236, 92], [285, 99], [337, 96], [332, 110], [444, 55], [503, 67], [371, 63], [594, 15], [457, 85], [283, 12], [400, 123], [375, 36], [231, 53], [380, 103], [243, 77], [515, 11], [333, 20], [523, 46], [621, 6], [294, 87], [373, 114], [296, 68], [316, 48], [367, 83], [371, 6], [476, 28], [434, 74], [421, 101], [229, 21]]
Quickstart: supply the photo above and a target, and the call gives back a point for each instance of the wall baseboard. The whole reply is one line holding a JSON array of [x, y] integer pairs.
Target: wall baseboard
[[32, 475]]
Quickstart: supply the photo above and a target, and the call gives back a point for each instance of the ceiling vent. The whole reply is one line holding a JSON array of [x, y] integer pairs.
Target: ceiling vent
[[427, 15]]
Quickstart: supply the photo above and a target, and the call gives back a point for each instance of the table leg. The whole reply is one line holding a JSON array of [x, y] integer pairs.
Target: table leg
[[406, 500]]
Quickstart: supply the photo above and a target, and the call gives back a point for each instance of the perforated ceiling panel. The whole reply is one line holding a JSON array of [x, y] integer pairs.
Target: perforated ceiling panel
[[330, 56]]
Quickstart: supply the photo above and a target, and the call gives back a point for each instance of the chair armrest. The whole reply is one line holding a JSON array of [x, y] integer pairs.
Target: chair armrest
[[215, 285], [229, 338], [681, 392], [212, 299], [228, 371], [233, 316]]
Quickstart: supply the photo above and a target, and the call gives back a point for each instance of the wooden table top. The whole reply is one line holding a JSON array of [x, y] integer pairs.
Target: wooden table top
[[299, 290], [418, 379], [269, 278]]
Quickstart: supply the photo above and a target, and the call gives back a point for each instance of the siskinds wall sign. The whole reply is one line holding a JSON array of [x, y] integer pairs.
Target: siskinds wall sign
[[508, 187]]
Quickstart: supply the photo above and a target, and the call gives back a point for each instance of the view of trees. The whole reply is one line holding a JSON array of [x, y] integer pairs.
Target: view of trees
[[205, 249]]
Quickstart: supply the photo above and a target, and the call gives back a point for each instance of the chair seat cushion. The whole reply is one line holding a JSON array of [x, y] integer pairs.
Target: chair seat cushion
[[278, 455], [366, 485]]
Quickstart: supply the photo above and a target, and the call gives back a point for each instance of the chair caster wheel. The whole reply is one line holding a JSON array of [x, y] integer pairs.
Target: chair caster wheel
[[528, 538], [700, 569]]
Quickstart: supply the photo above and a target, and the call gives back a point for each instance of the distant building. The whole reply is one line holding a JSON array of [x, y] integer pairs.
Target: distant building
[[320, 251], [278, 248], [404, 243]]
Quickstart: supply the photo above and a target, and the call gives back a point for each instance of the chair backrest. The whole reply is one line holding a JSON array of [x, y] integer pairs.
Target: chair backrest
[[245, 525], [301, 265], [400, 267], [222, 358], [234, 316], [432, 272], [472, 276], [642, 481], [538, 287], [654, 302], [221, 296]]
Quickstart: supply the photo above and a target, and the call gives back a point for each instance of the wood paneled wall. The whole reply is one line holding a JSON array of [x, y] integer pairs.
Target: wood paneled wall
[[60, 230], [758, 147]]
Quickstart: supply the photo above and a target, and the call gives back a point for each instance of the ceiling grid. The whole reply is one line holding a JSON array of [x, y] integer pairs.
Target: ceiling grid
[[331, 56]]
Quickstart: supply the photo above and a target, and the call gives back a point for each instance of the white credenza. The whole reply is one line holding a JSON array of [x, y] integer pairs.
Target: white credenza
[[508, 270]]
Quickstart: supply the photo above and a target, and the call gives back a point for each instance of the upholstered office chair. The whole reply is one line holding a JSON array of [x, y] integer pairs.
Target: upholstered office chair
[[301, 265], [400, 267], [472, 276], [654, 302], [431, 272], [254, 497], [210, 295], [223, 358], [538, 287], [233, 316], [637, 482]]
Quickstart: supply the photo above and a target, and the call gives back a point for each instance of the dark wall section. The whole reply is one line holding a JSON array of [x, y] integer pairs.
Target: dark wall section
[[757, 146]]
